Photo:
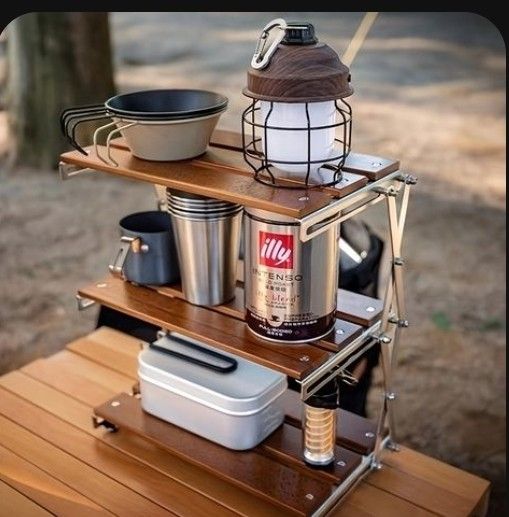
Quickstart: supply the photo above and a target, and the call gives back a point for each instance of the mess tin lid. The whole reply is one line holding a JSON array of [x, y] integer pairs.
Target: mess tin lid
[[219, 380]]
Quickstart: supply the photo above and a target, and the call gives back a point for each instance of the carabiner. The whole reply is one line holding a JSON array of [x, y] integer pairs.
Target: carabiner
[[261, 61]]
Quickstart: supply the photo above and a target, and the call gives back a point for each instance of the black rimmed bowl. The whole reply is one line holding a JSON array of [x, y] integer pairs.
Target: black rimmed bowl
[[158, 125], [167, 104]]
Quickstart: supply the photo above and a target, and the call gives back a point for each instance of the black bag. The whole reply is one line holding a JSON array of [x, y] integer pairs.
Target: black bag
[[359, 272]]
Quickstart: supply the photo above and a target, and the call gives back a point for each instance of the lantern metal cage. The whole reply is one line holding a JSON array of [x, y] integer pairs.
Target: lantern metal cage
[[261, 163]]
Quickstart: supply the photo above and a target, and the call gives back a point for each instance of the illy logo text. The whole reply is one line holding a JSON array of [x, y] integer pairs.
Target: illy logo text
[[276, 250]]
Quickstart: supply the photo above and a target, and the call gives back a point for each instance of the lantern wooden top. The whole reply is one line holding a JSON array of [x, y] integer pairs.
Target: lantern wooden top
[[300, 73]]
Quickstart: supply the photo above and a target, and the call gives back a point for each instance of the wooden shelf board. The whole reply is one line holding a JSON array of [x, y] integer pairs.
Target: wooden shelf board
[[373, 167], [222, 173], [223, 326], [358, 308], [213, 328], [351, 307], [272, 471], [206, 179], [233, 162]]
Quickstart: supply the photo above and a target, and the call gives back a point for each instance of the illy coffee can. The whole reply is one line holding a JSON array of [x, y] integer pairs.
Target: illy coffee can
[[290, 285]]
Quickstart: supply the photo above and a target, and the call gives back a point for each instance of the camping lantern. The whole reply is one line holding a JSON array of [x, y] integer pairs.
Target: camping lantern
[[298, 124]]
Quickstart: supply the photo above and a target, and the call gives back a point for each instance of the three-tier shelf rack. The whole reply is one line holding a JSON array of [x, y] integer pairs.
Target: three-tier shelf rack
[[274, 470]]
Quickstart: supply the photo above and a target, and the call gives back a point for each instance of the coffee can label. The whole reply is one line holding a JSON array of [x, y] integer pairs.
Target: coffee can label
[[279, 305], [275, 250]]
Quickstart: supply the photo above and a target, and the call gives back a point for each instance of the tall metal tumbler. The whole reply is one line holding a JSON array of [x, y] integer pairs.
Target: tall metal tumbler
[[208, 249]]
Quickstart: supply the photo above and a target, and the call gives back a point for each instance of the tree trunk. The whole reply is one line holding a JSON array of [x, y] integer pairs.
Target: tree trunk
[[55, 61]]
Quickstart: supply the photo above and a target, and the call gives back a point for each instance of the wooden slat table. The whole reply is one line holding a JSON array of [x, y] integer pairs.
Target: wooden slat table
[[52, 460]]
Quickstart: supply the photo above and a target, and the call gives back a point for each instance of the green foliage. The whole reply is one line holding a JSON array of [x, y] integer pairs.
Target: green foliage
[[492, 324], [441, 320]]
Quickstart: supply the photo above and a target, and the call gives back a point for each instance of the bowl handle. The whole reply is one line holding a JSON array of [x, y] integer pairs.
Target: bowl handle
[[71, 118], [109, 160]]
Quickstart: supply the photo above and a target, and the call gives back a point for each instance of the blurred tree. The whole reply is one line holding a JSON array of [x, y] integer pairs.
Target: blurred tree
[[55, 61]]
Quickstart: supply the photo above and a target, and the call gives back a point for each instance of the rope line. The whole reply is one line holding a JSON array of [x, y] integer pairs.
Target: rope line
[[358, 38]]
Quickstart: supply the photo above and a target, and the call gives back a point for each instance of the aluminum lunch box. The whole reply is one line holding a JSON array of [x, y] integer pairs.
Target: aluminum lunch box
[[219, 396]]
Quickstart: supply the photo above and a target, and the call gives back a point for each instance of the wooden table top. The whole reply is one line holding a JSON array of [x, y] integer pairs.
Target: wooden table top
[[52, 460]]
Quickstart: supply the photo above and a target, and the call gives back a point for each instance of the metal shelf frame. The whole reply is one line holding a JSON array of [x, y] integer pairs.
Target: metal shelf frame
[[385, 331]]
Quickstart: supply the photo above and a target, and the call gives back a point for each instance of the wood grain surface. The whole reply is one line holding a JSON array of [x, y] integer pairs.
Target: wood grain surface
[[300, 73], [210, 180], [54, 408], [352, 307], [15, 503], [249, 470], [368, 500], [52, 461], [372, 167], [211, 327], [68, 469], [67, 459], [43, 488], [358, 308], [344, 331], [222, 158]]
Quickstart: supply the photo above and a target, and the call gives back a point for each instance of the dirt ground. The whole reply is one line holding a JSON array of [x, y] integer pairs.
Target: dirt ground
[[429, 90]]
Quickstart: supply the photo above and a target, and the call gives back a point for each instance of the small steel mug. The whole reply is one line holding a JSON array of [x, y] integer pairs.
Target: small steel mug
[[147, 253], [208, 249]]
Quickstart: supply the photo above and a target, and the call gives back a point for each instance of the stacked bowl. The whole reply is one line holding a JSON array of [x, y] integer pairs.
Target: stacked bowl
[[167, 125], [207, 234], [158, 125]]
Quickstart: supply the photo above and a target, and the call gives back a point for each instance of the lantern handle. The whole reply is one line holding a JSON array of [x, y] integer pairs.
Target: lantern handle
[[260, 60]]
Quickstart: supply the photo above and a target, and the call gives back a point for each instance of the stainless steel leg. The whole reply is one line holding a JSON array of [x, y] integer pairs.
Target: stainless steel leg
[[393, 319], [385, 360]]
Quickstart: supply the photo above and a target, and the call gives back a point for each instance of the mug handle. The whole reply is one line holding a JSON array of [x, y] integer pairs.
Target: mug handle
[[127, 244]]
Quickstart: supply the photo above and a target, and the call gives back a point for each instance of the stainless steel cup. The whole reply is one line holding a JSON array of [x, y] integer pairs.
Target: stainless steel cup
[[195, 207], [147, 253], [208, 249], [203, 213], [184, 199]]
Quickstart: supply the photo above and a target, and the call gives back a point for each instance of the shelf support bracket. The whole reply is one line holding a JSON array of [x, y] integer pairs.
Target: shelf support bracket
[[69, 170], [84, 303], [97, 422], [338, 362]]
